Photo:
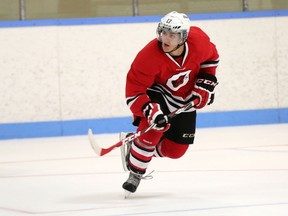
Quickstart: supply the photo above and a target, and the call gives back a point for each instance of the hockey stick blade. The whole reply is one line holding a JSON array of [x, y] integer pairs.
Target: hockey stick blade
[[99, 150], [103, 151]]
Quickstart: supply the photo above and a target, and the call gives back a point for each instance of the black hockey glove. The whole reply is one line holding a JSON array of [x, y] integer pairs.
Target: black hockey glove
[[204, 89]]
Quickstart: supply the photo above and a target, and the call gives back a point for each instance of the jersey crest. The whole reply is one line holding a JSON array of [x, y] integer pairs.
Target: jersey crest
[[178, 80]]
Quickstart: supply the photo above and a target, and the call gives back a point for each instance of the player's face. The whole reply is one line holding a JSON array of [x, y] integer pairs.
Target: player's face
[[169, 40]]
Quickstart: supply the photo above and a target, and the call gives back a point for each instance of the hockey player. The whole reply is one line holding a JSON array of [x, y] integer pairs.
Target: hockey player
[[169, 72]]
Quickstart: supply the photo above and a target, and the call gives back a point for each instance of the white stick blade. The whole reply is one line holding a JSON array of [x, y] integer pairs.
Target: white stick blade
[[93, 143]]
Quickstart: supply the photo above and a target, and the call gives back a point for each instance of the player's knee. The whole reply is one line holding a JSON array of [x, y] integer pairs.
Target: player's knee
[[172, 149], [179, 152]]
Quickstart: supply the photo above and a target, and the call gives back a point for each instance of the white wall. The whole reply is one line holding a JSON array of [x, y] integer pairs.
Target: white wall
[[78, 72]]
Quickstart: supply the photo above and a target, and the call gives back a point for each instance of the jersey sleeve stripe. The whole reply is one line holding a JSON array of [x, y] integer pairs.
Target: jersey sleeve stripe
[[209, 64], [131, 100]]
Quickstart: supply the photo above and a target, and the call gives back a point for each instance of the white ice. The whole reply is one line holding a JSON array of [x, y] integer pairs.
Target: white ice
[[229, 171]]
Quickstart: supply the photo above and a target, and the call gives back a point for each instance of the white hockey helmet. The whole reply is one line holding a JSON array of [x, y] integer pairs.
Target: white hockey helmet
[[176, 23]]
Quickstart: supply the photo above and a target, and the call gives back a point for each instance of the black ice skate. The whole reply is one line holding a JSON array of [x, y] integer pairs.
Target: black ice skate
[[132, 182]]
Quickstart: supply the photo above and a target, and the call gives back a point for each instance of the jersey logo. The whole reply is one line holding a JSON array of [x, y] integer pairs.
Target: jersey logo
[[178, 80]]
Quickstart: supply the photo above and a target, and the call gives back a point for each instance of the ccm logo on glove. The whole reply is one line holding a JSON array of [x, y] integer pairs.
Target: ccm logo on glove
[[210, 83]]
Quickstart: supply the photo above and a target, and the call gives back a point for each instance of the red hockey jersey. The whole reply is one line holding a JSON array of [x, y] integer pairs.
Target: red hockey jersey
[[159, 71]]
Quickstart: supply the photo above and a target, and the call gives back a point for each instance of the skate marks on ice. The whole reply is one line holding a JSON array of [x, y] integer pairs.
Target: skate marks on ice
[[228, 171]]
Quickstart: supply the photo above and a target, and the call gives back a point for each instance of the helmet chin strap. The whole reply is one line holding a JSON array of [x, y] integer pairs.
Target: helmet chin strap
[[177, 47]]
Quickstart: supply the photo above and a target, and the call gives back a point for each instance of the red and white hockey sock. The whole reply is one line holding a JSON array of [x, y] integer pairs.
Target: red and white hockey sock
[[140, 156], [142, 149]]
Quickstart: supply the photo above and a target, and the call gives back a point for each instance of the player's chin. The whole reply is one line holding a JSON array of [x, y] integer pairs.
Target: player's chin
[[166, 48]]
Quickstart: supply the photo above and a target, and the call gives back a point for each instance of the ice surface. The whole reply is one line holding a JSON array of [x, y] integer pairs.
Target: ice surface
[[229, 171]]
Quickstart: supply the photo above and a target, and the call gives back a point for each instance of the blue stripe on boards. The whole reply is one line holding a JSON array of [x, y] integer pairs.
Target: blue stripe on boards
[[138, 19], [117, 124], [30, 130], [241, 118]]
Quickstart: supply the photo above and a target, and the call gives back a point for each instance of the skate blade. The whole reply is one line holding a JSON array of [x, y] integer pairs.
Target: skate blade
[[127, 194]]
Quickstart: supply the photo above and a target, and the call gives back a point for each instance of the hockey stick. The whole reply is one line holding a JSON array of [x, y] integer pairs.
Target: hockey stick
[[103, 151]]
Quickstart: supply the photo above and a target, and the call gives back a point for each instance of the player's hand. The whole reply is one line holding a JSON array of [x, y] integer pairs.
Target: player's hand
[[204, 89], [154, 115]]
